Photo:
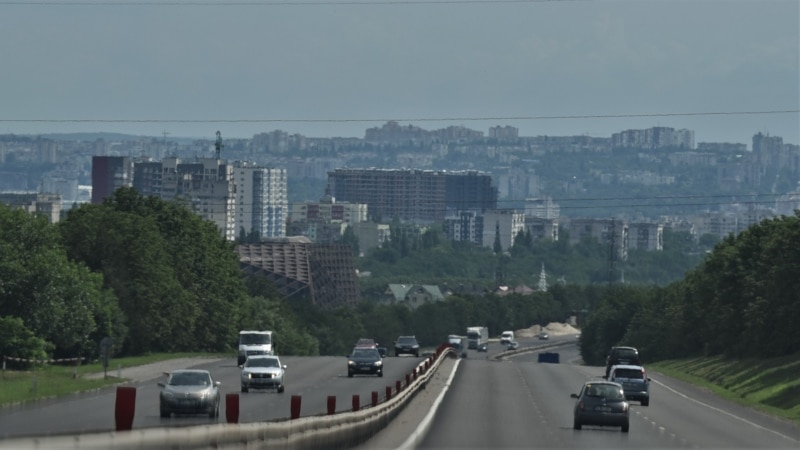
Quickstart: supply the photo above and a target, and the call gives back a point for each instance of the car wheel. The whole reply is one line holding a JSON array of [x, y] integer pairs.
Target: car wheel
[[280, 389], [645, 402], [416, 354], [165, 414], [625, 428], [245, 389], [576, 425], [350, 374], [396, 354], [380, 374]]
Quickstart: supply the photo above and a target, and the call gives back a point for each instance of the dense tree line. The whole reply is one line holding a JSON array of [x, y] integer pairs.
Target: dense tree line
[[157, 278], [743, 300]]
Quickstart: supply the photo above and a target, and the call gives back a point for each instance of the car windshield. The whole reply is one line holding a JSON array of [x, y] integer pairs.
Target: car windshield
[[366, 353], [262, 362], [629, 373], [190, 379], [606, 391], [254, 339], [406, 340]]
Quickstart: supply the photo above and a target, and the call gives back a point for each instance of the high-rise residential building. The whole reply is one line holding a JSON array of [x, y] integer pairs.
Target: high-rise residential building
[[108, 174], [262, 205], [419, 196]]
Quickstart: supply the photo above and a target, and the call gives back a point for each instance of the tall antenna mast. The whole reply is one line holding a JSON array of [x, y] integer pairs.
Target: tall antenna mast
[[218, 145]]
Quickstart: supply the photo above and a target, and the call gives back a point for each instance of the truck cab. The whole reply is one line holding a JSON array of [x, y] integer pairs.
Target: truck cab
[[253, 342]]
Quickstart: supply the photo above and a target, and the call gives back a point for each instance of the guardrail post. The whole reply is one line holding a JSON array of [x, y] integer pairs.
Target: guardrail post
[[356, 402], [374, 398], [125, 407], [408, 379], [295, 408], [331, 405], [398, 386], [232, 408], [388, 393]]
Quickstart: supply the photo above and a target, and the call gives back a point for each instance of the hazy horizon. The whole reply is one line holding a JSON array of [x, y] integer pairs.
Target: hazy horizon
[[335, 68]]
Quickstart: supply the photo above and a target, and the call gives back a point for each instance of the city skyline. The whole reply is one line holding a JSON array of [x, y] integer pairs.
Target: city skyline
[[727, 70]]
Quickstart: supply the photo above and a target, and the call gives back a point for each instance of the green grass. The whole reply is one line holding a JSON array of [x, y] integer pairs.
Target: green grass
[[46, 381], [769, 385]]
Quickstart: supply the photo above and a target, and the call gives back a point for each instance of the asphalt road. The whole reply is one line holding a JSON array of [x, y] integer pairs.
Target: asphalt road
[[313, 378], [520, 403]]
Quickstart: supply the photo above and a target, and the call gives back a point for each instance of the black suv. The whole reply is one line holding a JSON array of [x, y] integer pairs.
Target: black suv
[[622, 355], [406, 345]]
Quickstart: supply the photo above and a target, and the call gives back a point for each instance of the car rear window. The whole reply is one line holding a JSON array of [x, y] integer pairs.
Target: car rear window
[[629, 373]]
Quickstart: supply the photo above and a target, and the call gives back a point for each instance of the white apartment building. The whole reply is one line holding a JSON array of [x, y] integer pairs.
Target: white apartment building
[[206, 186], [262, 204]]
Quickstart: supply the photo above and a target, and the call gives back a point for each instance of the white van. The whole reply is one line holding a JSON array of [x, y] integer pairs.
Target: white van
[[254, 343], [507, 337]]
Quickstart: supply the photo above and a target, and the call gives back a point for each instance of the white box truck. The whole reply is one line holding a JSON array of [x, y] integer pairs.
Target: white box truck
[[254, 343], [477, 336]]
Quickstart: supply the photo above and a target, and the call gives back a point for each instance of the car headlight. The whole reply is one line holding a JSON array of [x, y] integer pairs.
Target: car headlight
[[350, 362], [167, 395], [378, 363]]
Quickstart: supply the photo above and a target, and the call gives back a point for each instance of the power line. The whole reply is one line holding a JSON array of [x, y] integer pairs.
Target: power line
[[416, 119]]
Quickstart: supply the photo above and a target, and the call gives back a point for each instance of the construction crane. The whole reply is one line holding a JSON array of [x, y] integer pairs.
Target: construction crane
[[218, 145]]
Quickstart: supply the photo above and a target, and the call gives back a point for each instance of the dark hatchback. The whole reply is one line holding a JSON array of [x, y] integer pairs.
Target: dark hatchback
[[622, 355], [364, 361], [601, 403]]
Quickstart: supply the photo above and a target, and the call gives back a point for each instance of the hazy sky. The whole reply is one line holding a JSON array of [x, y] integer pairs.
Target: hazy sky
[[335, 68]]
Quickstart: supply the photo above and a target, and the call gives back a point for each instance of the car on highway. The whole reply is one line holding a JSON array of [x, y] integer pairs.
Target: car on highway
[[513, 345], [544, 336], [601, 403], [263, 372], [406, 345], [370, 343], [189, 391], [506, 337], [622, 355], [364, 361], [634, 381]]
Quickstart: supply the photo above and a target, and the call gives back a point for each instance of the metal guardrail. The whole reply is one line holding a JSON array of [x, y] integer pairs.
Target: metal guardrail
[[341, 430]]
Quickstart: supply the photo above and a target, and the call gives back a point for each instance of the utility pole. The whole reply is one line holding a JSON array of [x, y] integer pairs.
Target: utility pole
[[612, 254]]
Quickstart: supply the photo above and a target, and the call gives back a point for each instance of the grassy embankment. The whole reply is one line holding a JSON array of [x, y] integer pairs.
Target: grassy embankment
[[45, 381], [770, 385]]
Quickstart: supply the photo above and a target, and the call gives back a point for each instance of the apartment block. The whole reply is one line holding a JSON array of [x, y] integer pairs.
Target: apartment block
[[646, 236], [606, 231], [419, 196], [110, 173], [505, 223], [262, 205], [47, 205]]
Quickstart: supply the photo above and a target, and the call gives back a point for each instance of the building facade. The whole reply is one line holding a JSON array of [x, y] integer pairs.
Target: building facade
[[262, 205]]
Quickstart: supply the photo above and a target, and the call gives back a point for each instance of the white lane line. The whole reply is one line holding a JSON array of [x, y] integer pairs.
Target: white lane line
[[734, 416], [416, 436]]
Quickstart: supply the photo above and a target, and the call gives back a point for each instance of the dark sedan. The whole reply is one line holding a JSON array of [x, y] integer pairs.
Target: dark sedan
[[601, 403], [364, 361]]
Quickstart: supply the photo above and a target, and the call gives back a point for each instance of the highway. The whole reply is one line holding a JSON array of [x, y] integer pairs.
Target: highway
[[313, 378], [509, 403], [520, 403]]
